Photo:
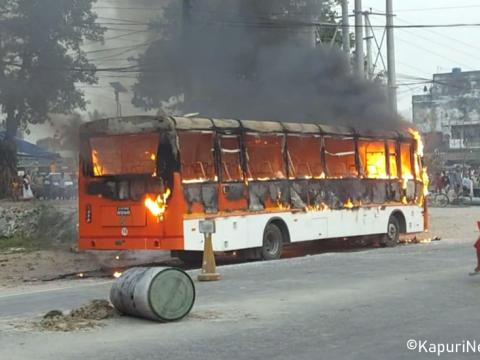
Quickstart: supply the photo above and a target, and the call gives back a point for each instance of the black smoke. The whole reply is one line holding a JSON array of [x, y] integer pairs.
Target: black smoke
[[252, 59]]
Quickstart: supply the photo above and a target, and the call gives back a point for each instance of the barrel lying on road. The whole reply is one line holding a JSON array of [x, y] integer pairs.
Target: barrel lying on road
[[160, 293]]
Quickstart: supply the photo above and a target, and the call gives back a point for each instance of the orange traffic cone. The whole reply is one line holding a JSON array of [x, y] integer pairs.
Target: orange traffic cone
[[209, 271]]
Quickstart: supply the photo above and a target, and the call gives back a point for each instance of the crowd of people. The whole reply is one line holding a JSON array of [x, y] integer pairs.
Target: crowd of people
[[461, 180], [28, 186]]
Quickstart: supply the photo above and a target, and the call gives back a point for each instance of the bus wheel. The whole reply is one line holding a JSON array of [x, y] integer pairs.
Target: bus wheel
[[272, 242], [390, 239]]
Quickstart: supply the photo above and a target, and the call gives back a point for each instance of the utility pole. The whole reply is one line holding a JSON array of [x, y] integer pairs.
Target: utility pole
[[368, 38], [186, 38], [359, 61], [392, 76], [345, 28]]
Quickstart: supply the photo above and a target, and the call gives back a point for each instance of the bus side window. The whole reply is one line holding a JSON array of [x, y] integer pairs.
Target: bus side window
[[340, 157], [231, 165], [196, 155], [304, 158], [372, 159], [265, 157], [405, 156], [392, 153]]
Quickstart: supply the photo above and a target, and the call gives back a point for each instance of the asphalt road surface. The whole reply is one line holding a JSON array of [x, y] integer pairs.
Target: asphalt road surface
[[348, 305]]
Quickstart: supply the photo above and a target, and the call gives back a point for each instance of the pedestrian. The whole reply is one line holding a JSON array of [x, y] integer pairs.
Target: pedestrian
[[445, 180], [62, 186], [477, 247], [16, 188], [467, 187], [27, 190]]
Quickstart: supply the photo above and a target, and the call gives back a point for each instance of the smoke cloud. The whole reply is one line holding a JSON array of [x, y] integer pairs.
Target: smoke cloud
[[253, 59]]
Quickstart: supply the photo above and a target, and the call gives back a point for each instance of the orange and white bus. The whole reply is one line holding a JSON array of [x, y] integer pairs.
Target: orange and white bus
[[146, 181]]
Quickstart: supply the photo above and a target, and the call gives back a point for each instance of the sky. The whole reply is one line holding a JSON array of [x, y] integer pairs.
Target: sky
[[423, 52], [419, 52]]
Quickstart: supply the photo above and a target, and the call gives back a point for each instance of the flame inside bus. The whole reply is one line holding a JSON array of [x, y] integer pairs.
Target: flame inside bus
[[157, 206]]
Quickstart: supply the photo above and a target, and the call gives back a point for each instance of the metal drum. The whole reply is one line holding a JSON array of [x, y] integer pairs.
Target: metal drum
[[159, 293]]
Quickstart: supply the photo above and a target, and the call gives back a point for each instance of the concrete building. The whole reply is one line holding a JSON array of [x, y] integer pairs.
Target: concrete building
[[449, 114]]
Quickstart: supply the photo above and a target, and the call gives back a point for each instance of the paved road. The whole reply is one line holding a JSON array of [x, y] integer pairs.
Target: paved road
[[358, 305]]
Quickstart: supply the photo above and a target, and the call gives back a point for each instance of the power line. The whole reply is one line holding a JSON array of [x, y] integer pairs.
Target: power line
[[417, 46], [457, 40], [438, 8]]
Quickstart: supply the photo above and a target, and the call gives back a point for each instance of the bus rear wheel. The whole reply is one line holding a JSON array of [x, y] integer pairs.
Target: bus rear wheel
[[390, 239], [272, 242]]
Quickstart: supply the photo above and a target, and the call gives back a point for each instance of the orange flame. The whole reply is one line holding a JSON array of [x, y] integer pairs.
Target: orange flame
[[376, 167], [317, 207], [158, 206], [422, 173], [418, 138], [97, 168], [348, 204]]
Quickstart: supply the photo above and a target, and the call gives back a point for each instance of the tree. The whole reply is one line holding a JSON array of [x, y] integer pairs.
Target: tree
[[41, 60], [223, 44]]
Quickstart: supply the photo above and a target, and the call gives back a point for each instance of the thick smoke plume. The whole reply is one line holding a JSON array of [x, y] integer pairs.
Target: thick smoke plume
[[253, 59]]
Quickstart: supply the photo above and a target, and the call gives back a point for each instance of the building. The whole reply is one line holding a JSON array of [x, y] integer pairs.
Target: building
[[449, 115], [32, 157]]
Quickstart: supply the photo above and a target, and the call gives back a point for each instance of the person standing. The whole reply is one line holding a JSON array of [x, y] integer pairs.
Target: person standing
[[27, 189], [62, 186], [477, 247]]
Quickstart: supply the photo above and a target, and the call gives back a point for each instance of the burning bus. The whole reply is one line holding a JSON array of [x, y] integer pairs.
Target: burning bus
[[145, 182]]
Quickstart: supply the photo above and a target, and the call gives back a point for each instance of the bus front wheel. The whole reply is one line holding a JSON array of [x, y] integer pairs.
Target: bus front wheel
[[390, 239], [272, 242]]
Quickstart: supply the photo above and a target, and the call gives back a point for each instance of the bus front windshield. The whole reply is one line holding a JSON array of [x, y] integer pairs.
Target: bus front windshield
[[124, 154]]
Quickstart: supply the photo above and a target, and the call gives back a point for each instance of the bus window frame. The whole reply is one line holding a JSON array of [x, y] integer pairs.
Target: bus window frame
[[386, 150], [215, 157], [247, 171], [411, 144], [219, 151], [289, 158], [354, 140], [88, 168]]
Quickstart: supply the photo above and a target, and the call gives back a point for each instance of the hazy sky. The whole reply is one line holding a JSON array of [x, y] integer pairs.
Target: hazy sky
[[422, 52], [419, 52]]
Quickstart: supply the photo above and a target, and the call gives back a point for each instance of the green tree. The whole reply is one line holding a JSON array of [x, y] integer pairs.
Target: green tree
[[41, 60]]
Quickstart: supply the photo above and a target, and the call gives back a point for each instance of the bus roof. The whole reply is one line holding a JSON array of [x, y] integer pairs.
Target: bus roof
[[139, 124]]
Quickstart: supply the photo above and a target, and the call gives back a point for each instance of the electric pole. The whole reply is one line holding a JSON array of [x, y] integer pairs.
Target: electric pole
[[345, 28], [186, 38], [368, 38], [392, 76], [359, 61]]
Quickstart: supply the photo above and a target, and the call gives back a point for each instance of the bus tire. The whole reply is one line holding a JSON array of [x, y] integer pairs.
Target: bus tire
[[272, 247], [390, 239]]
